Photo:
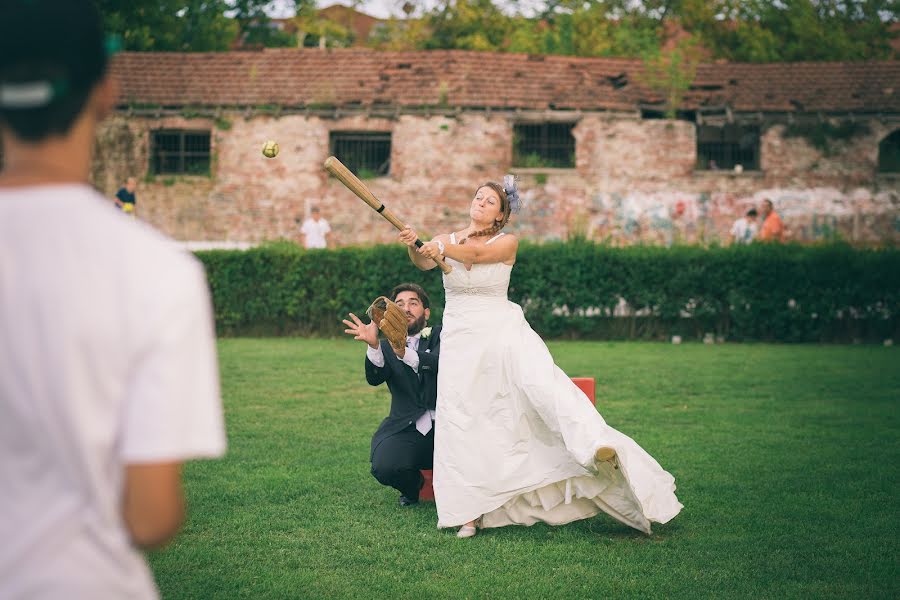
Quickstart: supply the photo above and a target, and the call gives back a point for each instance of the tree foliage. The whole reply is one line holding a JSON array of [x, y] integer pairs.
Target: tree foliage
[[737, 30], [191, 25], [798, 30], [170, 25], [312, 30], [671, 73], [255, 24]]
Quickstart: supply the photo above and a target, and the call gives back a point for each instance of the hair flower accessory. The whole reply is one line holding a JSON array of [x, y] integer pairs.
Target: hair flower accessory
[[512, 193]]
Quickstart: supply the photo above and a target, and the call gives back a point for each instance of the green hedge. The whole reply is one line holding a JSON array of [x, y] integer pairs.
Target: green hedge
[[760, 292]]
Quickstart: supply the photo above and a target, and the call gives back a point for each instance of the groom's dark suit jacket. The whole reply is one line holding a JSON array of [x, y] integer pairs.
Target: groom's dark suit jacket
[[411, 394]]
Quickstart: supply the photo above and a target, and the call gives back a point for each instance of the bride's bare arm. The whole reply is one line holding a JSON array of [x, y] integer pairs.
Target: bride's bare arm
[[408, 237], [423, 263], [503, 249]]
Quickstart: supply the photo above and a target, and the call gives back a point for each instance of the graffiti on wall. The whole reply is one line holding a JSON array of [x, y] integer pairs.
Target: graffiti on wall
[[666, 218]]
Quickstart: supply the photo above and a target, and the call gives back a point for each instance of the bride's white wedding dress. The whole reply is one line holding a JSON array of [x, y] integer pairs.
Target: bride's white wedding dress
[[515, 439]]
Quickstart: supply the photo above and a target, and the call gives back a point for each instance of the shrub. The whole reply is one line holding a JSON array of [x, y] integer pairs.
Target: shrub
[[578, 289]]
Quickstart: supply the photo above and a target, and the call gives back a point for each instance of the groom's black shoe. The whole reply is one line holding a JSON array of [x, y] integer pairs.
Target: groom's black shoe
[[406, 501]]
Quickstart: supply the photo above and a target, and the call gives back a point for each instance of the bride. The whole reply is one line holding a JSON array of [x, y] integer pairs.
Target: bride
[[516, 442]]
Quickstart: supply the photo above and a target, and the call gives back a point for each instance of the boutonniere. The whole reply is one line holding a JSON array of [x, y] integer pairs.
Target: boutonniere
[[425, 333]]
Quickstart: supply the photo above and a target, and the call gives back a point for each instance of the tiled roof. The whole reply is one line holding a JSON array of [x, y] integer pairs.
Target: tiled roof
[[459, 78]]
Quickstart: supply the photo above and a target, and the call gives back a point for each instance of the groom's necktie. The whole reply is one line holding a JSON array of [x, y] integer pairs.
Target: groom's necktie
[[423, 423]]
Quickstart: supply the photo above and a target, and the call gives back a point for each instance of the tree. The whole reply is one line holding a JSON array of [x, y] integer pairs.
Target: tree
[[671, 73], [467, 24], [738, 30], [795, 30], [255, 23], [400, 35], [191, 25], [584, 30], [312, 30], [173, 25]]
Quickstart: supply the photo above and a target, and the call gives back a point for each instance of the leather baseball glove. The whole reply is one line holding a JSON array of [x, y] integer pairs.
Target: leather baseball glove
[[391, 320]]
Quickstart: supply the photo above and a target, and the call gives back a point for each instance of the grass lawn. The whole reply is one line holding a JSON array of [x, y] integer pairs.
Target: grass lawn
[[787, 459]]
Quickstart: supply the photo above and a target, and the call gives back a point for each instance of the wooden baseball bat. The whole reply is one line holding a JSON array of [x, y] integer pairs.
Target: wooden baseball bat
[[345, 176]]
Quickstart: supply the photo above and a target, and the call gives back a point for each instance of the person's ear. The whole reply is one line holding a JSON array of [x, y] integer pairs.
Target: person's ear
[[106, 95], [427, 313]]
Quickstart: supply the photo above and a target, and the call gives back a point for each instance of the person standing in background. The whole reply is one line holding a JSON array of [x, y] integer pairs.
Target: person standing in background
[[125, 198], [772, 227], [744, 230], [315, 230]]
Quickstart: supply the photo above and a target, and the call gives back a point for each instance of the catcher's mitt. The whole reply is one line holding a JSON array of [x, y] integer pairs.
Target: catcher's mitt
[[391, 320]]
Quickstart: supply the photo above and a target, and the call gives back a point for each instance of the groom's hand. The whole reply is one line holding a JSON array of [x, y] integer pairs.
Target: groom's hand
[[367, 332]]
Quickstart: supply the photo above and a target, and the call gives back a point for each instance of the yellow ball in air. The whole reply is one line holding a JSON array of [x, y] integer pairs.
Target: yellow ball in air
[[270, 149]]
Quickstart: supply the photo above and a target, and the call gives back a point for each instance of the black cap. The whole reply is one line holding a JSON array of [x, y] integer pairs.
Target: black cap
[[48, 49]]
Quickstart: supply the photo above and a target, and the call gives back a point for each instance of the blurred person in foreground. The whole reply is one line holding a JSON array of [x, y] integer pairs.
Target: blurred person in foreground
[[108, 374]]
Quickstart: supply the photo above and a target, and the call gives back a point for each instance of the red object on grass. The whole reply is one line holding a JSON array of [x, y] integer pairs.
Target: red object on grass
[[585, 384], [427, 492]]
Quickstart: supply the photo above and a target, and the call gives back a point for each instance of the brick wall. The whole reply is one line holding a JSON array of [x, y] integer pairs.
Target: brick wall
[[634, 180]]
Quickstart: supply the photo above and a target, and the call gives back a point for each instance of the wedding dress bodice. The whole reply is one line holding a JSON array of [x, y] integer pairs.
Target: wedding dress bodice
[[489, 280]]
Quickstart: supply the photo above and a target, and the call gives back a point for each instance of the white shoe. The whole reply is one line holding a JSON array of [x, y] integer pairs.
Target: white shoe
[[466, 531]]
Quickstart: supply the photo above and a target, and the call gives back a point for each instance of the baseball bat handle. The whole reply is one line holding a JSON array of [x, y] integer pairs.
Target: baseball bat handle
[[352, 182]]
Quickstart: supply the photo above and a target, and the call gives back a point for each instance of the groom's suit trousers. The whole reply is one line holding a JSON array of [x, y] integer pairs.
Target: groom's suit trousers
[[397, 460]]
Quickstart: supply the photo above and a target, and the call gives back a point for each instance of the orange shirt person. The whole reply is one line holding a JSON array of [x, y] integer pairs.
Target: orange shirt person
[[772, 228]]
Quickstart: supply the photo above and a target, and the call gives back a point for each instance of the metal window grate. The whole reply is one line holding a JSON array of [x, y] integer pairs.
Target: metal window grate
[[180, 152], [889, 154], [367, 154], [548, 145], [728, 146]]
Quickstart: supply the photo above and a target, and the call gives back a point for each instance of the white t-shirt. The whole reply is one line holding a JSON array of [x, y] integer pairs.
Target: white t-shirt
[[744, 231], [315, 232], [107, 358]]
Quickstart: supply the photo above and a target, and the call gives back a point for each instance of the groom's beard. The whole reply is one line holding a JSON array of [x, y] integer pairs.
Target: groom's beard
[[416, 326]]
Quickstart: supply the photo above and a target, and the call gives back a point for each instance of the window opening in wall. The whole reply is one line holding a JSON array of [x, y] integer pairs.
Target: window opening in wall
[[366, 153], [549, 145], [184, 152], [727, 147], [889, 154]]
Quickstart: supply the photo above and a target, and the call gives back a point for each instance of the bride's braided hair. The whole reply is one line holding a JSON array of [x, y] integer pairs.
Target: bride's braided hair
[[504, 212]]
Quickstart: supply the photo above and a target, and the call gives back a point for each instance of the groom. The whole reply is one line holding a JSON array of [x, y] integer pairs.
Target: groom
[[404, 443]]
